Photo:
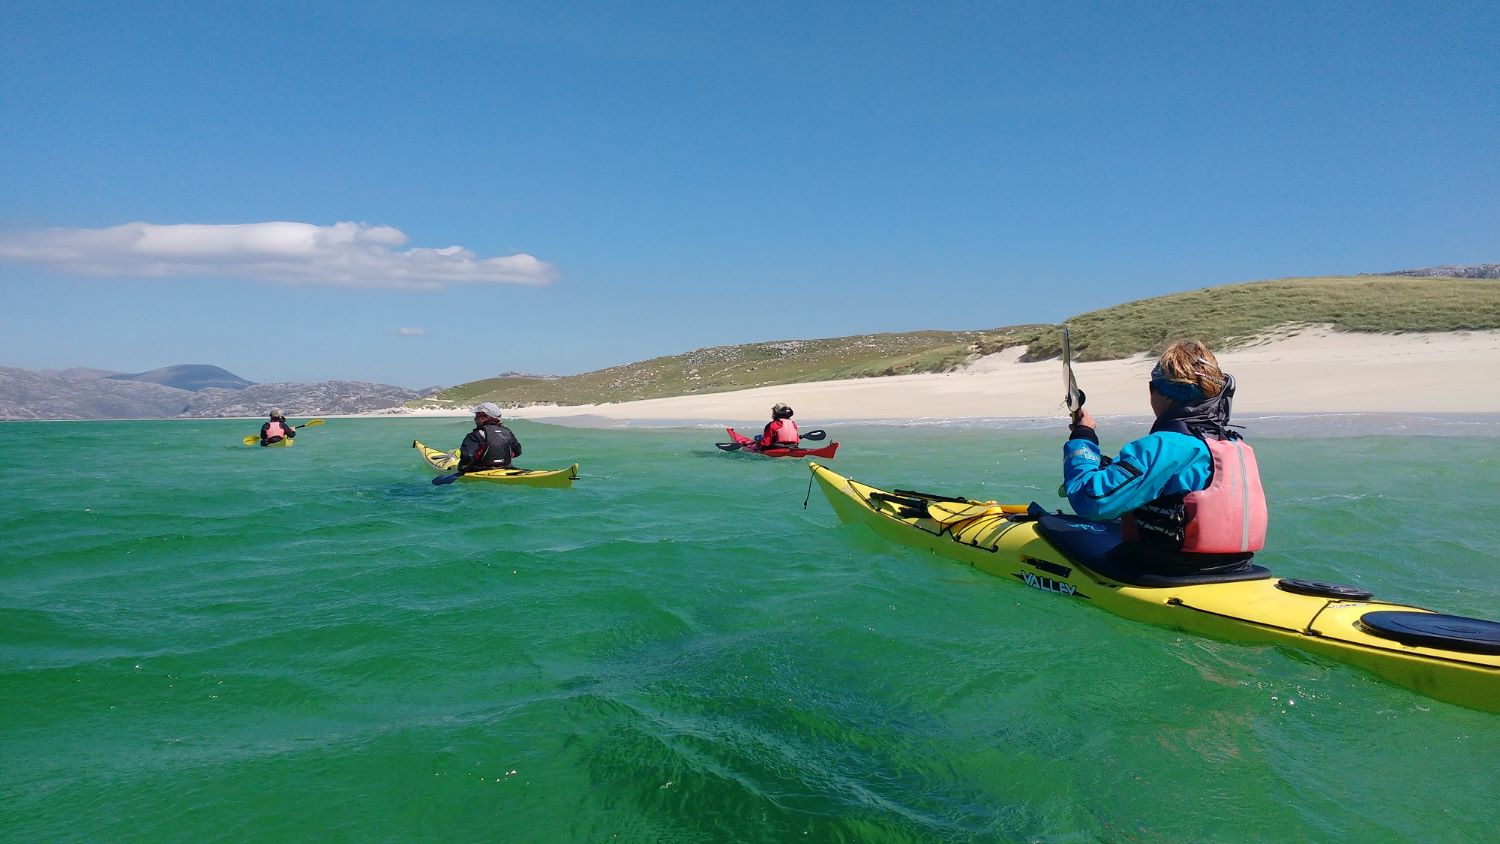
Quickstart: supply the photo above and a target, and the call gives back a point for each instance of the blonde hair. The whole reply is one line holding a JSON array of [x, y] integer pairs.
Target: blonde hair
[[1190, 362]]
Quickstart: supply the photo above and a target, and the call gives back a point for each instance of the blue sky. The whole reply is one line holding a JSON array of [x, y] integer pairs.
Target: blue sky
[[685, 175]]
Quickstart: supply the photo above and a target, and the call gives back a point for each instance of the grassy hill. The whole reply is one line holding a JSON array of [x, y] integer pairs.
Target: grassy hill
[[1223, 316], [1227, 316], [724, 368]]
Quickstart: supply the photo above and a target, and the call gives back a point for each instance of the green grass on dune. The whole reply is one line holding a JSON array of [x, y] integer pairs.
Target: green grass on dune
[[1223, 317], [1228, 316], [724, 368]]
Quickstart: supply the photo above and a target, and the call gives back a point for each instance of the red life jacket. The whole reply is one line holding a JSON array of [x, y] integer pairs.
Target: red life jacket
[[1228, 517], [275, 428], [786, 432]]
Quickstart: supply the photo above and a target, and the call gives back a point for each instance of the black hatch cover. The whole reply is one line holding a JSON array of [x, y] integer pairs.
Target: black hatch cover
[[1435, 630]]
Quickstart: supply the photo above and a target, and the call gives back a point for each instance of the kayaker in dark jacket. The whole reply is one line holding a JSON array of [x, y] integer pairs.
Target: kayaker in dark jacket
[[1188, 494], [490, 445], [781, 431], [276, 430]]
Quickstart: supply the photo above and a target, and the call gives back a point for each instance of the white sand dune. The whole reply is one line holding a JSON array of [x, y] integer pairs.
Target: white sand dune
[[1313, 371]]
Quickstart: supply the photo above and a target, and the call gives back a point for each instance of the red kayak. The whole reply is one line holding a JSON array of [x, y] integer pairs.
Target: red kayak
[[748, 444]]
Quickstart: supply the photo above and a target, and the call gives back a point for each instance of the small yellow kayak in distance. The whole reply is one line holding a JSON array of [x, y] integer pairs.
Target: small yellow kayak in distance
[[447, 461]]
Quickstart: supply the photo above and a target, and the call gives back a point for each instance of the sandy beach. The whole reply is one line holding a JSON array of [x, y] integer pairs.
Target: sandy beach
[[1315, 371]]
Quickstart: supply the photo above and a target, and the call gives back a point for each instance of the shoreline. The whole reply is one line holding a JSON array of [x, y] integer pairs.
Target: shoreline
[[1395, 382], [1313, 372]]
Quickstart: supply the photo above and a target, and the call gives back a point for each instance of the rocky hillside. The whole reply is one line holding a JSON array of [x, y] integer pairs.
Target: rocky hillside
[[25, 394], [82, 372], [28, 394], [1453, 271], [328, 397]]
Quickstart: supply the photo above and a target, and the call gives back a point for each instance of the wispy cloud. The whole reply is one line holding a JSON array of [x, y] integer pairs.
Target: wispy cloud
[[343, 255], [405, 331]]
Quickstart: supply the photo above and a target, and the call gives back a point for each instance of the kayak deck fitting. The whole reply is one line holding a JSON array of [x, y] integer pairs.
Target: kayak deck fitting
[[1451, 658], [447, 461]]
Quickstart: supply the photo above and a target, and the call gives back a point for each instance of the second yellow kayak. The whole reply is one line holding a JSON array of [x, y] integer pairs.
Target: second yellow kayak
[[447, 461]]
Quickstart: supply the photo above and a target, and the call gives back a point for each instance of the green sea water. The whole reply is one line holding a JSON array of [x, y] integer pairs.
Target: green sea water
[[202, 641]]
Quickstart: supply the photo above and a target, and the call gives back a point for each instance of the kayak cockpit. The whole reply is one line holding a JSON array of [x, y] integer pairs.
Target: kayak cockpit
[[1090, 544]]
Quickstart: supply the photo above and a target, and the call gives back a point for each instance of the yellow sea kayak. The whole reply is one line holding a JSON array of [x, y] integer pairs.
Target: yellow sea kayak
[[1451, 658], [447, 461]]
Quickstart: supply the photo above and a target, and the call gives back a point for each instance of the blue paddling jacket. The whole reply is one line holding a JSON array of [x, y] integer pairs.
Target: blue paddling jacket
[[1188, 493], [1160, 463]]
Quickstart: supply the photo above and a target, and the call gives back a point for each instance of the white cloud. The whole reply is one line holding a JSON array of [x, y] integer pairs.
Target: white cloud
[[404, 331], [343, 255]]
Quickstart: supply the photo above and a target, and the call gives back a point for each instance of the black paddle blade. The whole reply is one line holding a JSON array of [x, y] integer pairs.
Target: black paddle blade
[[440, 480], [815, 434], [729, 446]]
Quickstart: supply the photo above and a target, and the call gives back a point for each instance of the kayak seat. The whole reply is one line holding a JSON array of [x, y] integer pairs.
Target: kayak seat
[[1091, 544], [1434, 630]]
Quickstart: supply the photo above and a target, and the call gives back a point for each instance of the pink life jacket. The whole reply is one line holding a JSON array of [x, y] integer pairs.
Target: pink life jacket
[[275, 428], [786, 433], [1229, 516]]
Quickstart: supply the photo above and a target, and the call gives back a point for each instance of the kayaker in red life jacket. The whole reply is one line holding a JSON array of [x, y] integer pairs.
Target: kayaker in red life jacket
[[276, 430], [781, 431], [1188, 494], [490, 445]]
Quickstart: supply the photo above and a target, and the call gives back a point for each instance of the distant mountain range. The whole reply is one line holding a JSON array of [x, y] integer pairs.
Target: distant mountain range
[[190, 376], [188, 390], [79, 372]]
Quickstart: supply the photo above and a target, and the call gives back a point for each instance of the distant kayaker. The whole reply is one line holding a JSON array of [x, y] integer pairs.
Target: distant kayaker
[[781, 431], [490, 445], [1188, 494], [276, 430]]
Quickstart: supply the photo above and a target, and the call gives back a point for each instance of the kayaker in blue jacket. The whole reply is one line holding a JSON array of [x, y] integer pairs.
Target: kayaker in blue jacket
[[1188, 494], [276, 430], [490, 445]]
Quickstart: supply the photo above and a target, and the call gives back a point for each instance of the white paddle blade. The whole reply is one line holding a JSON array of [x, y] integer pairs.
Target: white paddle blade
[[1074, 398]]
